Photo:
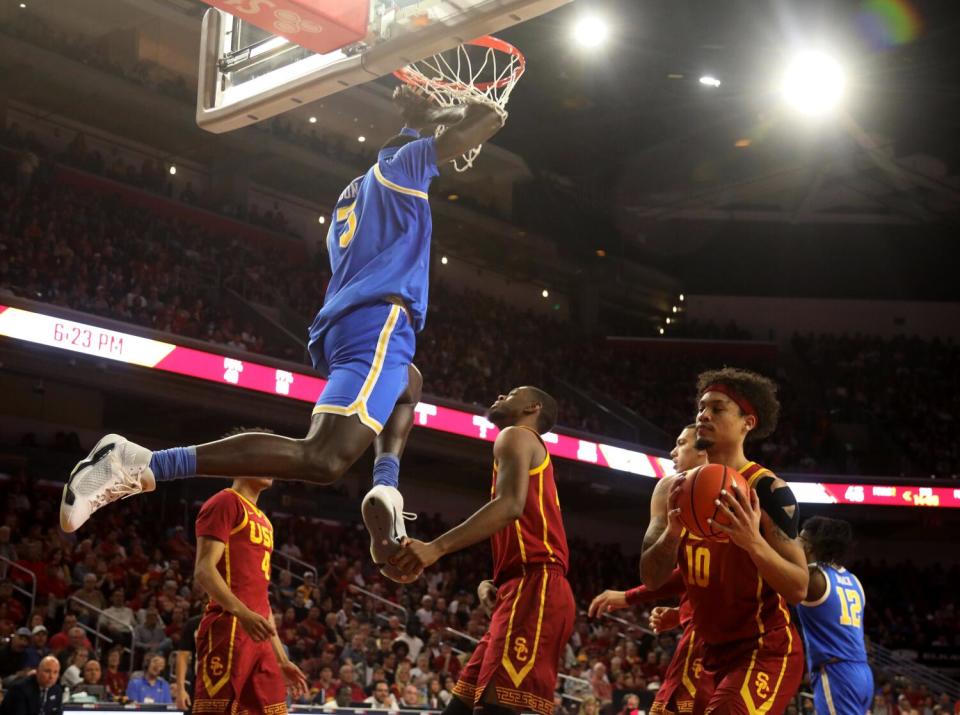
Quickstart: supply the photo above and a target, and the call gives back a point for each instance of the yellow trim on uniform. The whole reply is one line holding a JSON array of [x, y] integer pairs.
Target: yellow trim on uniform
[[543, 518], [359, 406], [745, 688], [256, 509], [239, 527], [828, 696], [685, 678], [396, 187], [515, 675], [523, 551], [214, 688]]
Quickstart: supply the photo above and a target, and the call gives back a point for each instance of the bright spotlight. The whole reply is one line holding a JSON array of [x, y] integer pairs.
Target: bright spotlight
[[813, 83], [443, 260], [322, 219], [591, 31], [660, 330], [545, 293], [173, 171], [313, 120], [361, 139], [709, 81]]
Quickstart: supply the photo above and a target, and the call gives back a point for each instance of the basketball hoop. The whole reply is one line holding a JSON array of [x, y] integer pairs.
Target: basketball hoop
[[482, 70]]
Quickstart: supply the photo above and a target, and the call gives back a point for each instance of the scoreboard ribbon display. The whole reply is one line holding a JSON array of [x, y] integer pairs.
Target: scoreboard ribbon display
[[63, 334]]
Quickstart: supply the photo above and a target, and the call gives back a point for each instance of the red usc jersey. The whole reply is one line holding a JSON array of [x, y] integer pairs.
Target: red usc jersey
[[537, 537], [247, 535], [729, 598]]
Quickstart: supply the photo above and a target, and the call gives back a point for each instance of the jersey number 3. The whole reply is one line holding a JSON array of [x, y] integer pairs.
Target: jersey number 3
[[850, 607], [345, 213]]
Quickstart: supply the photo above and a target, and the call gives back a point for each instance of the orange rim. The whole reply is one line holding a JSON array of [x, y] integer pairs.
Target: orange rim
[[488, 41]]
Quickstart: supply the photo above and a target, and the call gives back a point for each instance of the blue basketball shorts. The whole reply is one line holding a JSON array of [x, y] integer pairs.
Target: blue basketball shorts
[[842, 688], [367, 354]]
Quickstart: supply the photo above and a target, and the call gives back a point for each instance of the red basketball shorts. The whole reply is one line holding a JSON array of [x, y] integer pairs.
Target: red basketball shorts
[[756, 675], [515, 663], [684, 684], [235, 674]]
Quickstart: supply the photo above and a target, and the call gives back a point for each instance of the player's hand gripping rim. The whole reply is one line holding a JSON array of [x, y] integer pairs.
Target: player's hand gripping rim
[[744, 513]]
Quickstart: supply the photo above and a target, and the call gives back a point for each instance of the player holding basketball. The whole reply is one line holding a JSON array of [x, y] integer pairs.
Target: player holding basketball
[[363, 339], [242, 666], [514, 666], [683, 678], [739, 587], [832, 620]]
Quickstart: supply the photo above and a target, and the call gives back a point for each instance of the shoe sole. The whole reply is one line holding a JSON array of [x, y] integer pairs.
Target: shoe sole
[[100, 450], [379, 519]]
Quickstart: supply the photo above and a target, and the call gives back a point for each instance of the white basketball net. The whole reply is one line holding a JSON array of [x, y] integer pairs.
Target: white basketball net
[[485, 70]]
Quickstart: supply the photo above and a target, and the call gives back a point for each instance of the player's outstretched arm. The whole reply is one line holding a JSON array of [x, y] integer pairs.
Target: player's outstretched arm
[[515, 450], [616, 600], [778, 556], [467, 125], [209, 553], [658, 559]]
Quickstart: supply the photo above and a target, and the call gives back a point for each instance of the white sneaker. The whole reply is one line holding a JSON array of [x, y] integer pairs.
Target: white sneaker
[[383, 514], [114, 469]]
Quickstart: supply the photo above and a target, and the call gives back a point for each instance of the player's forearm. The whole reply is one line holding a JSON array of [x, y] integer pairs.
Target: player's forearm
[[212, 582], [642, 594], [278, 649], [785, 577], [658, 561], [484, 523], [182, 657]]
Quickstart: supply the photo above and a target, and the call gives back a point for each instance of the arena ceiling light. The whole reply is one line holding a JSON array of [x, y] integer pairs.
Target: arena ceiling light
[[709, 81], [591, 31], [813, 83]]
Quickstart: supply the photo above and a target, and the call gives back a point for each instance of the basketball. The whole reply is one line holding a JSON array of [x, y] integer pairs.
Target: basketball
[[701, 488]]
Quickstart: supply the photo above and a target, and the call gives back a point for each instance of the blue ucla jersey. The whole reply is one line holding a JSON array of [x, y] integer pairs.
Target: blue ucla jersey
[[379, 240], [833, 625]]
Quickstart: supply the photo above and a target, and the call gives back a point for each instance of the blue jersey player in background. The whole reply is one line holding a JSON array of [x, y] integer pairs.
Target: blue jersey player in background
[[832, 620], [362, 340]]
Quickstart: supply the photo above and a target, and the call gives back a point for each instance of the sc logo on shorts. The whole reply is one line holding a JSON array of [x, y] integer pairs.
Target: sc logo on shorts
[[520, 649], [216, 666], [762, 685]]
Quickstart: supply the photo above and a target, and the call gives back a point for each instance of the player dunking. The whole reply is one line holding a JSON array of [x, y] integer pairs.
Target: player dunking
[[832, 620], [682, 680], [514, 666], [242, 667], [362, 339], [738, 588]]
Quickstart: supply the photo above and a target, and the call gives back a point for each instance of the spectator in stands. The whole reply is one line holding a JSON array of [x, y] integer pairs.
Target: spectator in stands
[[348, 679], [117, 620], [38, 648], [589, 706], [425, 612], [114, 679], [434, 699], [73, 673], [382, 698], [70, 636], [92, 681], [150, 688], [446, 663], [151, 635], [7, 549], [13, 655], [38, 694], [89, 594], [412, 699], [324, 688], [11, 605], [600, 684]]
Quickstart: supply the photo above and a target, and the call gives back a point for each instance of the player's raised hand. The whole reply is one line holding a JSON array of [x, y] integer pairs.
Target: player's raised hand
[[487, 594], [414, 556], [294, 678], [255, 625], [607, 602], [418, 110], [744, 513], [664, 619]]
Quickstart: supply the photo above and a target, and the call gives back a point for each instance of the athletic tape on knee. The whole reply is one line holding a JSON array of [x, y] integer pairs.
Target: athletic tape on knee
[[780, 505]]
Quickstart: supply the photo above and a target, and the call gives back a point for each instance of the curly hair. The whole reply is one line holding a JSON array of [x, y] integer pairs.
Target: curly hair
[[830, 539], [760, 391]]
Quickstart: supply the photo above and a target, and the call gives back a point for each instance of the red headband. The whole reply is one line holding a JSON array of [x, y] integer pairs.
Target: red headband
[[742, 402]]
